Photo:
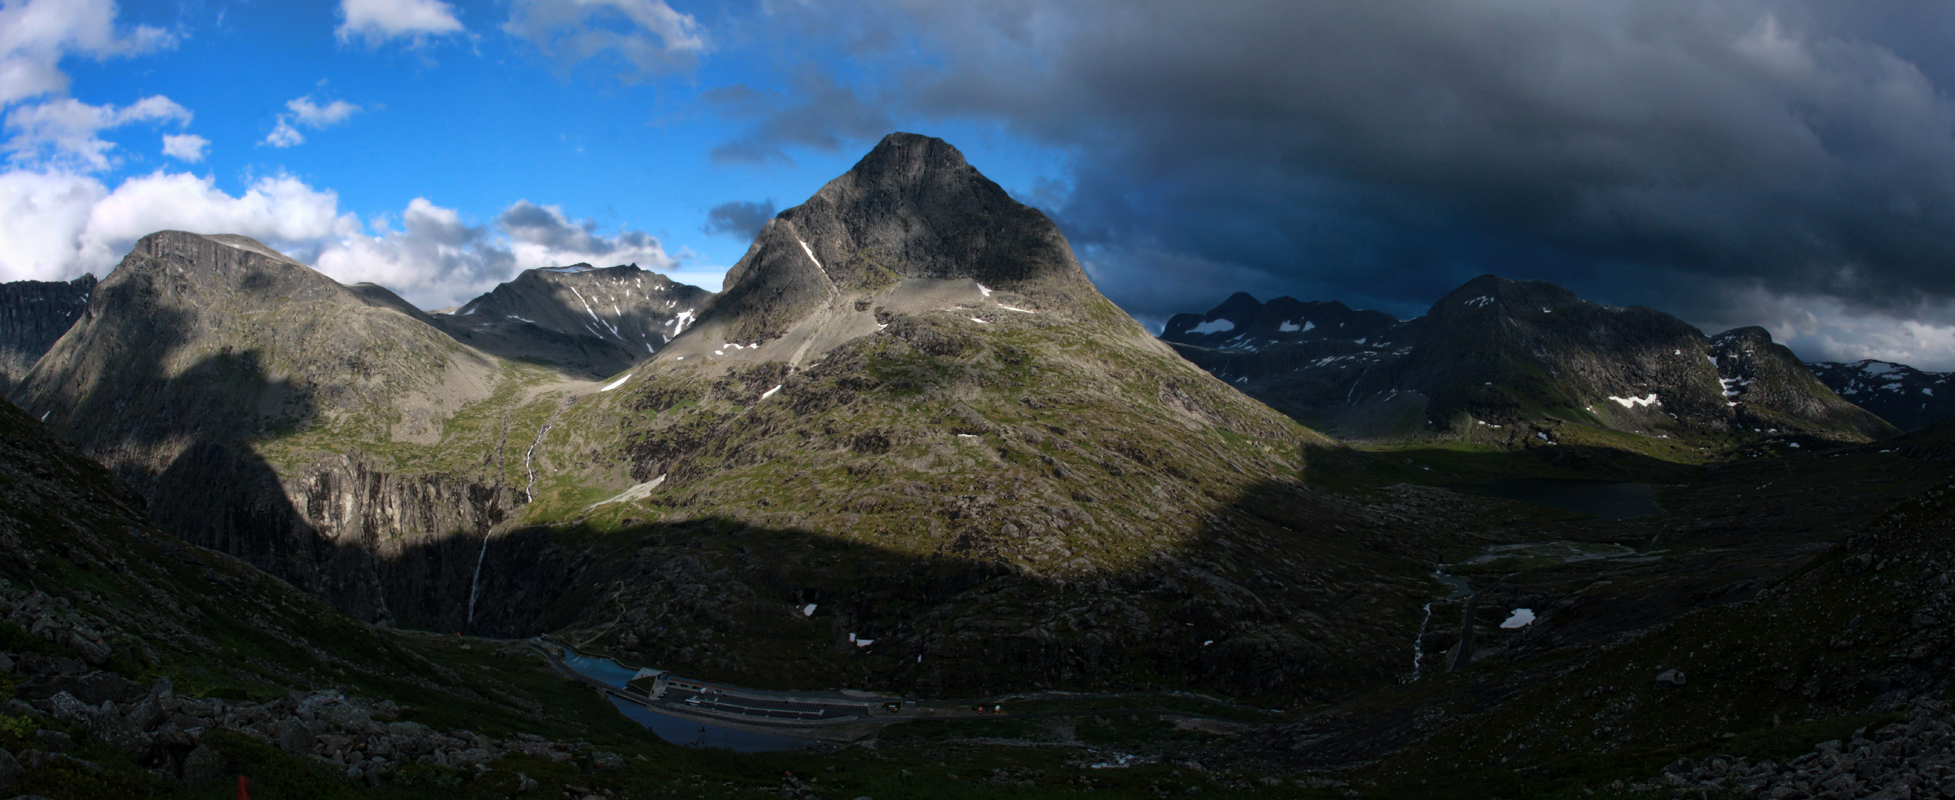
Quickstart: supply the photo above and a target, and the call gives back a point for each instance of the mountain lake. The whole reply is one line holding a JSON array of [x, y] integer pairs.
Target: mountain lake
[[678, 731]]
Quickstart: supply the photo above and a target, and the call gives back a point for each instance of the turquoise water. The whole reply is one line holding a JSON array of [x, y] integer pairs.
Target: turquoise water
[[609, 672], [673, 729], [693, 734]]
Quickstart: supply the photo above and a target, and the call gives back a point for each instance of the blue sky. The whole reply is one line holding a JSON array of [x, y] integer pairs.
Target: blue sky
[[452, 109], [1785, 163]]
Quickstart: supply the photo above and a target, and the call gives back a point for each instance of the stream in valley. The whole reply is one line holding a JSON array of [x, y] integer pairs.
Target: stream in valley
[[1595, 498]]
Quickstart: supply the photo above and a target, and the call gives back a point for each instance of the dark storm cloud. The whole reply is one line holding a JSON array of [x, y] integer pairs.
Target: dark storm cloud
[[820, 114], [739, 218], [1686, 155], [525, 222]]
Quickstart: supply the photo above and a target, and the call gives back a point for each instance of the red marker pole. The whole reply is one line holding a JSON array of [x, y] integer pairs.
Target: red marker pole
[[244, 788]]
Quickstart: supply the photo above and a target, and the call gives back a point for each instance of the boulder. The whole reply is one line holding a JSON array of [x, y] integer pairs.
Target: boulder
[[203, 765], [293, 737], [10, 769], [1669, 679]]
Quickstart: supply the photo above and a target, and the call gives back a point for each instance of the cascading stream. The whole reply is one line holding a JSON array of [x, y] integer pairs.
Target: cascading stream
[[529, 455], [475, 583], [1418, 643]]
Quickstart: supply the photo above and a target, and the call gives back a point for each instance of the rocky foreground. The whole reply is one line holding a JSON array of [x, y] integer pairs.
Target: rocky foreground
[[62, 703], [1900, 761]]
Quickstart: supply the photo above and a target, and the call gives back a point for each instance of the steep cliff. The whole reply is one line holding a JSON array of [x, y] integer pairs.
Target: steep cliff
[[33, 314]]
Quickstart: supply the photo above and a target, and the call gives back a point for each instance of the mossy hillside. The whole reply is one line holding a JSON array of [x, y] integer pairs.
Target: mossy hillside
[[964, 408], [998, 498], [483, 441]]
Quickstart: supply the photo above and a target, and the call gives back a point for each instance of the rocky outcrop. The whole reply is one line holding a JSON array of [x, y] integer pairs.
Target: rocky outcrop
[[33, 314], [594, 322], [1242, 323], [1901, 760], [1770, 387], [174, 734]]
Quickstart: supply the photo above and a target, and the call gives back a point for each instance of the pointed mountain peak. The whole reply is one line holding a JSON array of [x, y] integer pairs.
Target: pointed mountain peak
[[902, 158], [1493, 290], [1751, 335], [897, 230]]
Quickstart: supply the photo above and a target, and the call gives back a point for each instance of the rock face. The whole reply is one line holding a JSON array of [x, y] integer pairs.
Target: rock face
[[200, 356], [1908, 397], [593, 322], [913, 211], [1525, 356], [33, 314]]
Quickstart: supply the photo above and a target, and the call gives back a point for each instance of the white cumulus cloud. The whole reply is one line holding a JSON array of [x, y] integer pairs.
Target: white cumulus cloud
[[312, 115], [647, 34], [281, 211], [188, 147], [42, 215], [56, 224], [284, 135], [65, 130], [36, 34], [379, 21]]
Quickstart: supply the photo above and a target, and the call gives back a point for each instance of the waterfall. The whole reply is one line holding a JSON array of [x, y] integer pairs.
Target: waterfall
[[475, 584], [528, 455], [1418, 645]]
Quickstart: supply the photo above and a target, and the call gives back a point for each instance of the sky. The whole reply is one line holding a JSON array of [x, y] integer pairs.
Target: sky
[[1733, 162]]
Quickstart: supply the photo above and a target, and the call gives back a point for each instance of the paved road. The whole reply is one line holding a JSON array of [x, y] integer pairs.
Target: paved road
[[760, 708]]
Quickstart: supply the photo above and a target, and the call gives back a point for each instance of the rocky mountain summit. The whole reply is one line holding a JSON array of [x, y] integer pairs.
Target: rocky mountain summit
[[1526, 357], [33, 314], [1908, 397], [594, 321], [1243, 323]]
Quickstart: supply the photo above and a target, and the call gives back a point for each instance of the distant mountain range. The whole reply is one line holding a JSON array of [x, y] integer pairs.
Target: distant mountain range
[[1908, 397], [1496, 358]]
